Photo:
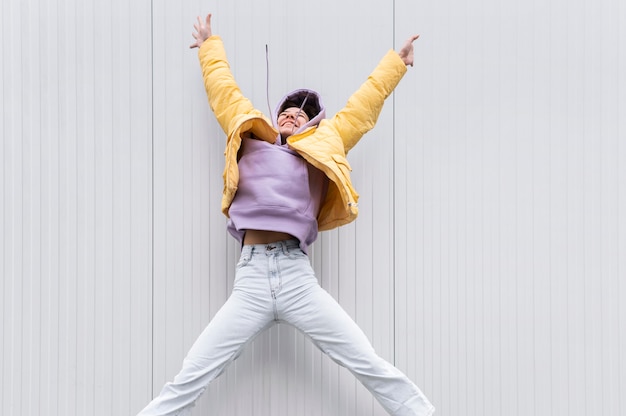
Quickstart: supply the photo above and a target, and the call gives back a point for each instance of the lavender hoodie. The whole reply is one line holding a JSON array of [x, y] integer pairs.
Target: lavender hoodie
[[278, 190]]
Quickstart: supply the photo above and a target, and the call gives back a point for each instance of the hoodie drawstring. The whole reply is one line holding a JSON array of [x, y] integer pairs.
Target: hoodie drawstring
[[306, 97], [267, 81]]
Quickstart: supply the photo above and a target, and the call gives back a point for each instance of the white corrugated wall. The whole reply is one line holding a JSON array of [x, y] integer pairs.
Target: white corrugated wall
[[488, 261]]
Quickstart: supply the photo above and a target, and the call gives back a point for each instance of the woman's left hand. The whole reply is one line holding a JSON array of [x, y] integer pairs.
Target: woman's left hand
[[406, 52]]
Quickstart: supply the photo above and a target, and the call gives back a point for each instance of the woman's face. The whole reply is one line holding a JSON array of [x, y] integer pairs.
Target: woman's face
[[290, 119]]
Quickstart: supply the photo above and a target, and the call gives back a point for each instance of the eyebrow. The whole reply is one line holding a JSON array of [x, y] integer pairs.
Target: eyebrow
[[298, 113]]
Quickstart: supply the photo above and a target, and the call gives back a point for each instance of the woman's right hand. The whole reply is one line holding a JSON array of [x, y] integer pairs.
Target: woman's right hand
[[203, 31]]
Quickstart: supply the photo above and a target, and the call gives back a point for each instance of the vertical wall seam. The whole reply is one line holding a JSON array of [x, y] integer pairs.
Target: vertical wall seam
[[152, 199], [393, 198]]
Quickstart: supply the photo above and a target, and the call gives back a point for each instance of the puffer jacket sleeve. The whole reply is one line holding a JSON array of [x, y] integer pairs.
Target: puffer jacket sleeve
[[225, 98], [364, 106]]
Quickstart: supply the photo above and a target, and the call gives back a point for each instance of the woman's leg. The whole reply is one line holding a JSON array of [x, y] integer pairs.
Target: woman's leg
[[246, 313], [318, 315]]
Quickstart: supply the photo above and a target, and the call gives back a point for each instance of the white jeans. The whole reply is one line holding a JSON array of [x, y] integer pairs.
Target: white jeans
[[275, 283]]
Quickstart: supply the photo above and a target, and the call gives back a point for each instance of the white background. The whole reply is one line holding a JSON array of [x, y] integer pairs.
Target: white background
[[488, 261]]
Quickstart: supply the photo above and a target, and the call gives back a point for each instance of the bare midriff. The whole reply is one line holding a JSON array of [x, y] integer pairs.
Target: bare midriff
[[264, 237]]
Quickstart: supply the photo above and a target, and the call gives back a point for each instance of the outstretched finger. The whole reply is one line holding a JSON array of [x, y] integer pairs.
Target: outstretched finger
[[411, 39]]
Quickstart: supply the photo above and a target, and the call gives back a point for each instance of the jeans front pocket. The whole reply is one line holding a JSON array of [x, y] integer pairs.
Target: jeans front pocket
[[244, 259]]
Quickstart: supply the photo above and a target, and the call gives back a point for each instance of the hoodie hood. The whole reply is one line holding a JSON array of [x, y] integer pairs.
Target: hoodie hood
[[313, 107]]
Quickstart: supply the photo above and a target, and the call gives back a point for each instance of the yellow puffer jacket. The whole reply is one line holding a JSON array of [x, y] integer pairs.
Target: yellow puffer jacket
[[324, 146]]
